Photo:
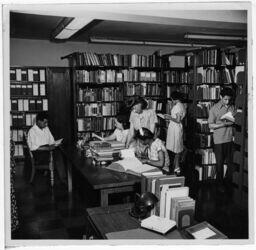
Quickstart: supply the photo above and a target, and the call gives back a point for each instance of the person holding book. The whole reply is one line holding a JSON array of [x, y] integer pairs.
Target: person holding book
[[174, 139], [156, 151], [222, 135], [41, 141], [122, 125], [140, 117]]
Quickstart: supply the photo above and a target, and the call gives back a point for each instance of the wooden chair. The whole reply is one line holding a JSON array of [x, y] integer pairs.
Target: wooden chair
[[29, 159]]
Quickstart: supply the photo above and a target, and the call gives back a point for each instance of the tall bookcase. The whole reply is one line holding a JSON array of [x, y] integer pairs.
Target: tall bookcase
[[28, 92], [102, 83]]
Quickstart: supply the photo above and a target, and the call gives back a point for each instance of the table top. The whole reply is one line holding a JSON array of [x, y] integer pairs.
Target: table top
[[116, 218], [98, 176]]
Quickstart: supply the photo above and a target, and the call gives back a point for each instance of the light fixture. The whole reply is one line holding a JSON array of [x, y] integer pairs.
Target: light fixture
[[69, 26], [214, 37], [150, 43]]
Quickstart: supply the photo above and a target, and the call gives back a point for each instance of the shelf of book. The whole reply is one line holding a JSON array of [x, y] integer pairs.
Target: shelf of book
[[28, 94]]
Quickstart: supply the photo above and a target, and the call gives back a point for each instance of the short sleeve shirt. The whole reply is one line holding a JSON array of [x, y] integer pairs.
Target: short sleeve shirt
[[121, 135], [225, 134], [146, 119], [153, 150]]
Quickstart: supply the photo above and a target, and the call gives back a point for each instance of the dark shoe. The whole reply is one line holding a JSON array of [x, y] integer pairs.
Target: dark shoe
[[177, 172]]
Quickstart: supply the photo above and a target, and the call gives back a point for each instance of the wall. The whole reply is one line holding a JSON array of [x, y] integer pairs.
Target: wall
[[26, 52]]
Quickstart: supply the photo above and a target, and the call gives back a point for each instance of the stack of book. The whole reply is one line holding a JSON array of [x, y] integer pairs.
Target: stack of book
[[208, 57], [202, 125], [143, 89], [176, 77], [203, 108], [208, 75], [95, 124], [206, 156], [31, 75], [208, 92], [105, 151]]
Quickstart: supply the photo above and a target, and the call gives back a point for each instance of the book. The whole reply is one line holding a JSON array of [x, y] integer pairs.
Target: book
[[203, 231], [131, 165], [158, 224], [228, 116]]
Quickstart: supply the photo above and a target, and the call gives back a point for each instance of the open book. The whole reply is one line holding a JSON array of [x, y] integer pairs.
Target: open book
[[55, 144], [158, 224], [131, 165], [228, 116]]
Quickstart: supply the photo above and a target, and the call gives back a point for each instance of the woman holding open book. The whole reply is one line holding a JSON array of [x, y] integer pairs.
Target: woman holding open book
[[174, 140]]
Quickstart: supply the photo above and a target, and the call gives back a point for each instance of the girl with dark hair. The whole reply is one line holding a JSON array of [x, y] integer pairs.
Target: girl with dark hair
[[122, 125], [156, 152], [141, 117], [174, 140]]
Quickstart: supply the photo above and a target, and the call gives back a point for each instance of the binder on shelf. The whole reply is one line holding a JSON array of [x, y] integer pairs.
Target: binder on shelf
[[24, 75], [35, 75], [42, 75], [35, 89], [20, 105], [24, 89], [32, 104], [42, 89], [18, 75], [13, 90], [14, 105], [45, 104], [25, 105], [29, 89], [30, 75], [39, 105], [12, 74], [18, 89]]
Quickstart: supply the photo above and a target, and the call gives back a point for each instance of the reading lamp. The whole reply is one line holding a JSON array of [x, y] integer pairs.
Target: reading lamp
[[143, 205]]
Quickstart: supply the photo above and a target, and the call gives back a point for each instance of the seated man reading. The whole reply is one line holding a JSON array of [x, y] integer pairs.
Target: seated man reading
[[40, 141]]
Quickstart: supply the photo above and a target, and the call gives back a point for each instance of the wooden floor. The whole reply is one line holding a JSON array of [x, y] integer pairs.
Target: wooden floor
[[52, 214]]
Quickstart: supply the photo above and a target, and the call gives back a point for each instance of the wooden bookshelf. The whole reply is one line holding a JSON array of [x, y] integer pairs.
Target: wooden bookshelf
[[28, 92]]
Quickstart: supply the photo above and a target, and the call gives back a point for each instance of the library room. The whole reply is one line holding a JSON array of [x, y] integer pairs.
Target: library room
[[128, 121]]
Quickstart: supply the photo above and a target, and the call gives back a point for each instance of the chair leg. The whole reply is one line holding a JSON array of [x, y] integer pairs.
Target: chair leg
[[51, 167], [32, 175]]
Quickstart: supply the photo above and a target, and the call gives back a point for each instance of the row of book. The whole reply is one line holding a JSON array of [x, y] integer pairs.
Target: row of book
[[29, 105], [212, 75], [95, 109], [102, 76], [203, 141], [208, 92], [208, 172], [186, 90], [100, 94], [202, 125], [23, 120], [95, 124], [143, 89], [203, 108], [17, 135], [30, 75], [207, 57], [178, 76], [33, 89], [18, 150], [132, 60], [205, 156]]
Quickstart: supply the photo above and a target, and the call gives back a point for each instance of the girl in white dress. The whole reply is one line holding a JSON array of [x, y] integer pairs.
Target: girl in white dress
[[122, 125], [174, 140]]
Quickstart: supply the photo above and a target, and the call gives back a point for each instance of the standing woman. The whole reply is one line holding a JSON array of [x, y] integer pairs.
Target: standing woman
[[174, 140], [141, 117]]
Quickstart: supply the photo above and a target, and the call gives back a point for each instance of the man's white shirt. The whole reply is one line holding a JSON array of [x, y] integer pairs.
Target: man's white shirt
[[38, 137]]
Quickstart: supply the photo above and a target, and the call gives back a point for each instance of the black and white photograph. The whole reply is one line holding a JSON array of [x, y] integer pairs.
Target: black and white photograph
[[128, 123]]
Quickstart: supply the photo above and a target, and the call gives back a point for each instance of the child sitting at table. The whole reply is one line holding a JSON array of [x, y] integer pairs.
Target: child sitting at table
[[122, 125], [156, 151]]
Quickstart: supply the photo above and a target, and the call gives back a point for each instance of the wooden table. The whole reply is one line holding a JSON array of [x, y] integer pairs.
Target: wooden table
[[99, 178], [116, 218]]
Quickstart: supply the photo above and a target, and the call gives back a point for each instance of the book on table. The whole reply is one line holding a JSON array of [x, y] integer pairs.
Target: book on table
[[158, 224], [203, 231], [131, 165]]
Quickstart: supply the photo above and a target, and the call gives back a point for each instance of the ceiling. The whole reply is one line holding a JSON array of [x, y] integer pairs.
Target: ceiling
[[145, 28]]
